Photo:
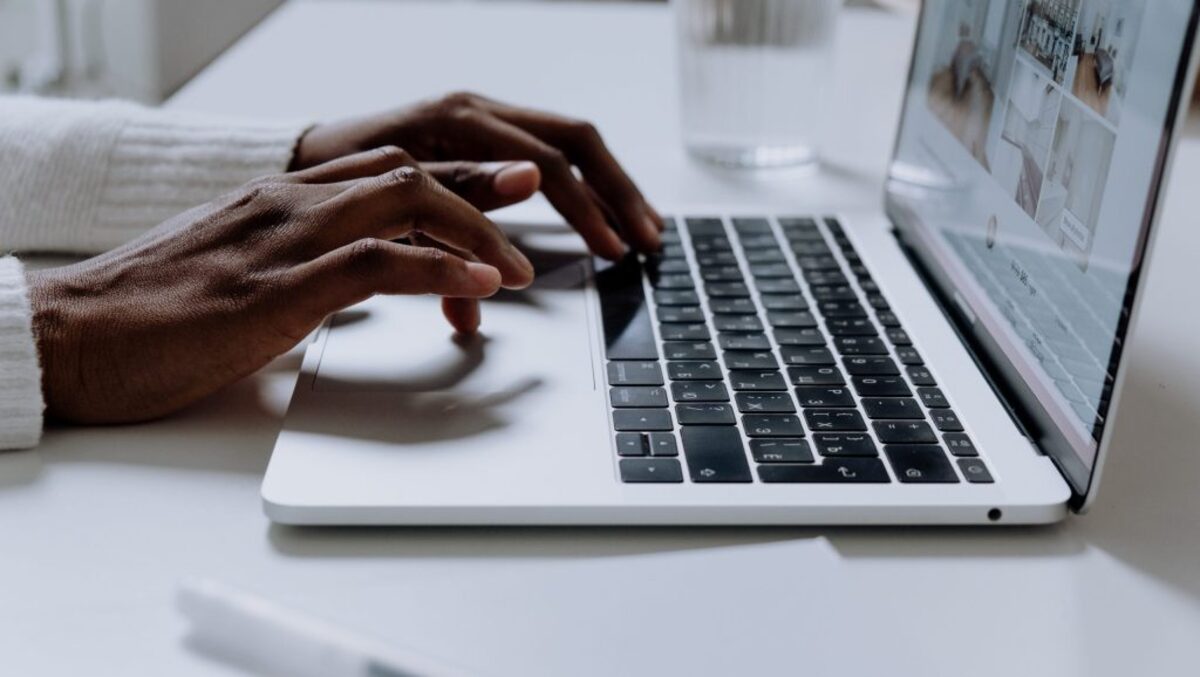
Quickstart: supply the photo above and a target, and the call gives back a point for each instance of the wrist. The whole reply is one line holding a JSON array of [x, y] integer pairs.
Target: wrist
[[49, 301]]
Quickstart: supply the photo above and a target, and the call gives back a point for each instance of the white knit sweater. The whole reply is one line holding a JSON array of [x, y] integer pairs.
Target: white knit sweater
[[85, 177]]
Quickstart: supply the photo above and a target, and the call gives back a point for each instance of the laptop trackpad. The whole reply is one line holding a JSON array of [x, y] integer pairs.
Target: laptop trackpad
[[532, 338]]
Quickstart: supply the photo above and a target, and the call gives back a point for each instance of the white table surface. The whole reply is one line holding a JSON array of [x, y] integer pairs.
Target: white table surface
[[98, 525]]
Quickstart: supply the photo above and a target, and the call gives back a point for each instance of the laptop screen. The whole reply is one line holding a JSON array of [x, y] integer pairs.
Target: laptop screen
[[1025, 177]]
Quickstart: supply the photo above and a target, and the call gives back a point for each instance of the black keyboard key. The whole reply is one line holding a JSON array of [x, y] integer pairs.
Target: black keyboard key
[[833, 293], [851, 326], [628, 334], [921, 376], [860, 345], [671, 297], [841, 309], [735, 306], [645, 470], [772, 425], [841, 471], [704, 226], [920, 463], [740, 323], [799, 336], [816, 376], [818, 263], [909, 356], [933, 398], [672, 251], [694, 371], [765, 403], [635, 397], [791, 320], [904, 432], [705, 414], [877, 301], [807, 356], [871, 366], [699, 391], [764, 241], [797, 223], [673, 281], [634, 374], [768, 270], [946, 420], [667, 266], [715, 454], [711, 244], [782, 450], [662, 444], [778, 286], [975, 471], [684, 332], [824, 397], [880, 386], [834, 420], [757, 380], [888, 319], [729, 341], [959, 444], [822, 277], [680, 314], [893, 407], [720, 273], [765, 256], [899, 337], [843, 445], [751, 225], [727, 290], [632, 444], [809, 248], [676, 350], [642, 420], [784, 302], [717, 258], [745, 359]]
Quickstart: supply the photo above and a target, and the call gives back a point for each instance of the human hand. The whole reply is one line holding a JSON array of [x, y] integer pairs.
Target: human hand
[[470, 127], [213, 294]]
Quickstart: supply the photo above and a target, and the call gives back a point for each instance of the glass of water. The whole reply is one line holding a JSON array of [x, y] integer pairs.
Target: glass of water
[[754, 75]]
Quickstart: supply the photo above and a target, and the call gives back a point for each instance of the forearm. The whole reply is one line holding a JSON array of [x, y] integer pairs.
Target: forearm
[[83, 177]]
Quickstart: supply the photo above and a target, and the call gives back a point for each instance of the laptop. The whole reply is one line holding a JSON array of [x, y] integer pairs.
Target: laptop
[[954, 355]]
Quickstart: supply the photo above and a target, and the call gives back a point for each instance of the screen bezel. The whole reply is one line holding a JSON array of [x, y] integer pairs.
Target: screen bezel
[[1002, 373]]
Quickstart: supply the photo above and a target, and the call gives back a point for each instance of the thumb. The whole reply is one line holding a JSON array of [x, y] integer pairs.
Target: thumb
[[488, 185]]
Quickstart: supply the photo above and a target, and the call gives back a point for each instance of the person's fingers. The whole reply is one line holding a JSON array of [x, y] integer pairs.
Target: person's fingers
[[501, 140], [585, 148], [463, 314], [357, 166], [488, 185], [371, 266], [408, 200]]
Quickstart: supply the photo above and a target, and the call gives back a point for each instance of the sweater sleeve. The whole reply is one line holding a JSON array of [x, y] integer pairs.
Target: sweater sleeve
[[20, 378], [84, 177]]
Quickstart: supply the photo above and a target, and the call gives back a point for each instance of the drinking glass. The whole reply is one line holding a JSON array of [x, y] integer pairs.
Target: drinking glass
[[754, 75]]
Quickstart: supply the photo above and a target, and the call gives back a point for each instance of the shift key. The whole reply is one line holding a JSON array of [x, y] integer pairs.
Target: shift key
[[715, 454]]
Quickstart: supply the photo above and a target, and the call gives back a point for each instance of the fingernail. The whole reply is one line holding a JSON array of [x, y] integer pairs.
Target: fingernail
[[487, 277], [514, 178], [653, 236]]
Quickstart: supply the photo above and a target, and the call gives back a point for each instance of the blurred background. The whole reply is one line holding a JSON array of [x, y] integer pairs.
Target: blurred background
[[137, 49]]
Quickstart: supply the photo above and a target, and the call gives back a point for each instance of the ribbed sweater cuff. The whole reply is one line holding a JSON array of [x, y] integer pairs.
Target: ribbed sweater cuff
[[21, 401], [163, 164]]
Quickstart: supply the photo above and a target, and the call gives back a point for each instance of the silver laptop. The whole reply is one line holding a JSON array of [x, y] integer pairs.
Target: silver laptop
[[954, 356]]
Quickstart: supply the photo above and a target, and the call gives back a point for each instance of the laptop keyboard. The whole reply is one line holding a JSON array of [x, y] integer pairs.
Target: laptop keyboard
[[757, 349]]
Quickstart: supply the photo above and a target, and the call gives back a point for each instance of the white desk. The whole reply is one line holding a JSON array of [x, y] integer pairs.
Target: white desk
[[98, 525]]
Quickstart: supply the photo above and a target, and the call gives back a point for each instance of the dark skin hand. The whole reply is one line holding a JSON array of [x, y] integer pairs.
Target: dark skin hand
[[217, 292], [604, 205]]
